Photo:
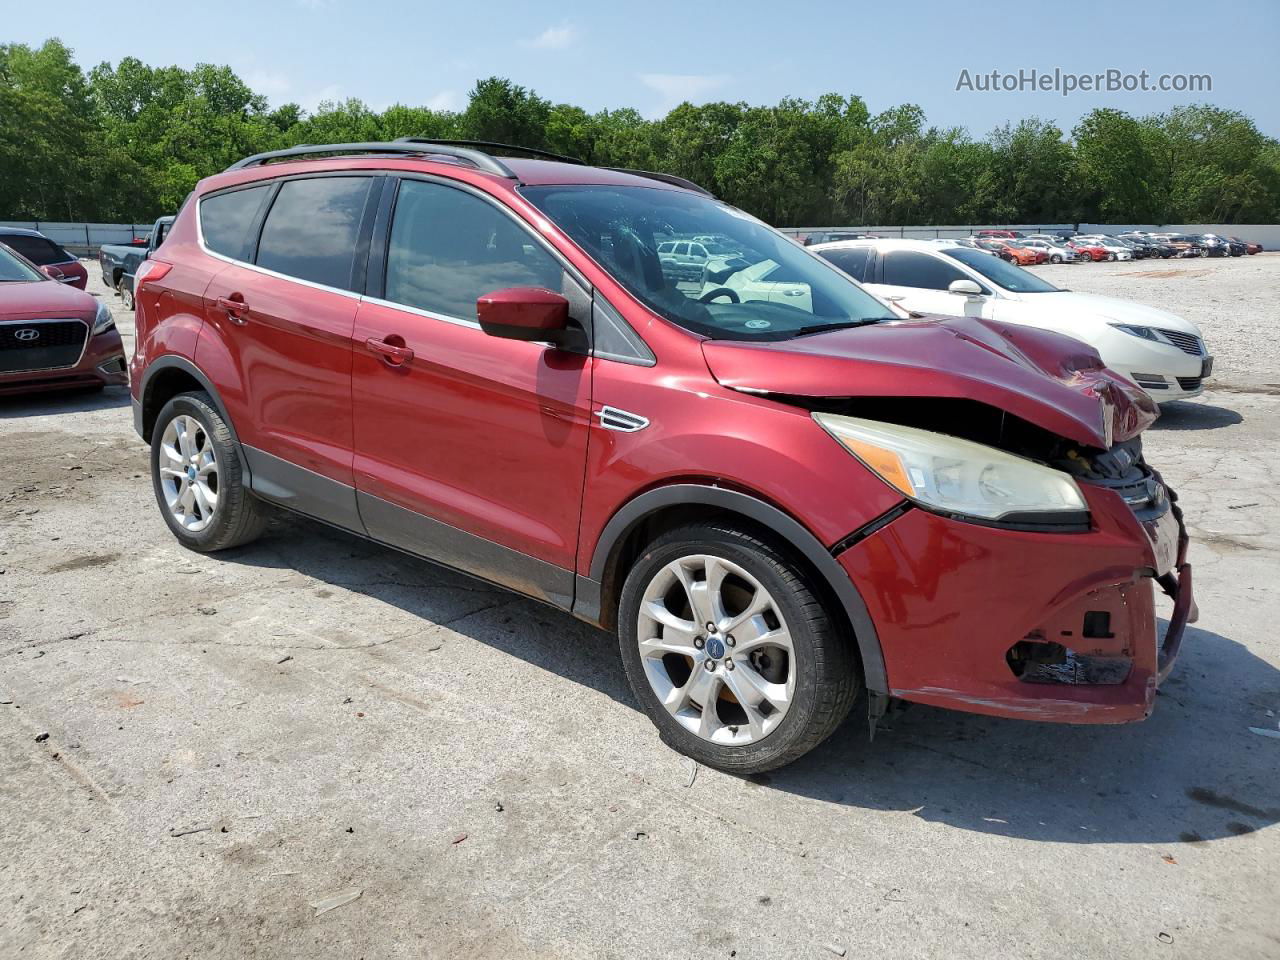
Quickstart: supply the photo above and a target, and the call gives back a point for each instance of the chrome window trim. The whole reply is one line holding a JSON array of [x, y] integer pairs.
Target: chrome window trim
[[88, 335], [419, 312]]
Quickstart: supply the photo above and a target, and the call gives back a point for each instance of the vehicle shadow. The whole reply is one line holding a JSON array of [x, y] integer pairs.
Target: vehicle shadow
[[74, 400], [1191, 773], [1192, 415]]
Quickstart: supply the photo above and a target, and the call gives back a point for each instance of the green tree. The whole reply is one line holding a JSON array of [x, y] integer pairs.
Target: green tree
[[48, 143]]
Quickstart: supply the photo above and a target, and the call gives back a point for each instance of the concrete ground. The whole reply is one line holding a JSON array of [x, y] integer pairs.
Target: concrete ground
[[332, 717]]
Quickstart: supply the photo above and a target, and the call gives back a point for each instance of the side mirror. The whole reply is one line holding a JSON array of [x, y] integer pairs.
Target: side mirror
[[967, 288], [53, 273], [524, 313]]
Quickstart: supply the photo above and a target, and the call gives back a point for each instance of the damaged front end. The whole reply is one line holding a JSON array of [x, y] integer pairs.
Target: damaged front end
[[1053, 626], [1041, 612]]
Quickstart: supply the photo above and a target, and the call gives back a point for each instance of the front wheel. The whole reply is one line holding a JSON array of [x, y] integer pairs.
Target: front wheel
[[1055, 259], [730, 651], [198, 481], [126, 297]]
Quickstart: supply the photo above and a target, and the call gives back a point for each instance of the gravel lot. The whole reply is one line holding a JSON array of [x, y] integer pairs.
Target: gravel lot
[[330, 716]]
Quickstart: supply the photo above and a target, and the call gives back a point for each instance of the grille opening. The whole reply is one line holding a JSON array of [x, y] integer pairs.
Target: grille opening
[[1189, 383], [41, 344], [1186, 342]]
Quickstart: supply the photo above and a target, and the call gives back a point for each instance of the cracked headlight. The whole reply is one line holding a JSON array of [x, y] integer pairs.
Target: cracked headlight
[[957, 476], [102, 320], [1142, 333]]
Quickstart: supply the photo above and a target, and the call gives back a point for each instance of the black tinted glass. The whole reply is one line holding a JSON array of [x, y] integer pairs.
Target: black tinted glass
[[853, 262], [312, 229], [38, 250], [448, 248], [226, 220], [903, 268]]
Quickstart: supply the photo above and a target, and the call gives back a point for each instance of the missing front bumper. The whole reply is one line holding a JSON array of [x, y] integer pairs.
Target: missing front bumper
[[950, 601]]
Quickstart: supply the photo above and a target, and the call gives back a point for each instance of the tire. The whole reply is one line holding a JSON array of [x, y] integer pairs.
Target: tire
[[126, 297], [816, 678], [236, 516], [1055, 259], [1111, 257]]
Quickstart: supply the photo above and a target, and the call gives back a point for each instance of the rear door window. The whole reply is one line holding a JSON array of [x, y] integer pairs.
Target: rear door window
[[853, 262], [448, 248], [906, 268], [39, 250], [313, 229], [227, 220]]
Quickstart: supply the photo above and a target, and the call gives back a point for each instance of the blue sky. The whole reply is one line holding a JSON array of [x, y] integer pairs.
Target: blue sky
[[653, 55]]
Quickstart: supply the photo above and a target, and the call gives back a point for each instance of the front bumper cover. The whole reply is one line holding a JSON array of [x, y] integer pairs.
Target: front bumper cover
[[951, 600]]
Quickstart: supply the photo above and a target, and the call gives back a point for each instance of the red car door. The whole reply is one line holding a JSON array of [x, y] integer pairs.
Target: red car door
[[284, 311], [470, 449]]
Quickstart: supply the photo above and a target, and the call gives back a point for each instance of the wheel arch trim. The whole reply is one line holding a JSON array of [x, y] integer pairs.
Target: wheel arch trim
[[171, 362], [795, 534]]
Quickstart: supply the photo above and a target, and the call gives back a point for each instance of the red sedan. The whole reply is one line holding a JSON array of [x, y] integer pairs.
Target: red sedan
[[53, 336], [1091, 251], [50, 258]]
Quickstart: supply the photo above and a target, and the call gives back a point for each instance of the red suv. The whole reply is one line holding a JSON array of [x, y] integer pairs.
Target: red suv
[[777, 492]]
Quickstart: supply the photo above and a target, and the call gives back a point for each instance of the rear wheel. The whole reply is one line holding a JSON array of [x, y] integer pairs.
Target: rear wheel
[[730, 652], [198, 481]]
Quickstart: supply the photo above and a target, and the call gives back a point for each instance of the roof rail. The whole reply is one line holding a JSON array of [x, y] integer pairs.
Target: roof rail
[[491, 146], [665, 178], [477, 158]]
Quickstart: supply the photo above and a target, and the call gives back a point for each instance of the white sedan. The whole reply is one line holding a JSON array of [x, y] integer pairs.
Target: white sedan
[[1159, 351]]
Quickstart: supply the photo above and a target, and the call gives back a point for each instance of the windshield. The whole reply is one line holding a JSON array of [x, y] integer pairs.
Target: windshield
[[16, 270], [1000, 273], [769, 289]]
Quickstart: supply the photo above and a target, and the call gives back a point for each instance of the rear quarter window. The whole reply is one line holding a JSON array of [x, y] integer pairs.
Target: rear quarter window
[[227, 219], [38, 250], [853, 262]]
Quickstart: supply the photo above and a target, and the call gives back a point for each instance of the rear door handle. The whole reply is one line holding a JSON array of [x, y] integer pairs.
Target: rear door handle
[[393, 354], [236, 308]]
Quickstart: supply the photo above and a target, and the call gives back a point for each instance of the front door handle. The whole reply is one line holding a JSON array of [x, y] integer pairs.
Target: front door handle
[[395, 354], [236, 308]]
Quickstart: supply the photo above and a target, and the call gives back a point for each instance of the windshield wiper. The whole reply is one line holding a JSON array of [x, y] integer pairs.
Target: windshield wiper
[[844, 325]]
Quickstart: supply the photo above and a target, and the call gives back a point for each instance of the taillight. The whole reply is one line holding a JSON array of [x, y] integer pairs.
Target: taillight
[[149, 270]]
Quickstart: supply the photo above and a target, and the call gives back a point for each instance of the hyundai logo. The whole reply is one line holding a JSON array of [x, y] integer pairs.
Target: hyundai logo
[[27, 334]]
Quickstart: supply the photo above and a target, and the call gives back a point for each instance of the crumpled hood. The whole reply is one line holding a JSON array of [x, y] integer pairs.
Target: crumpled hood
[[1110, 309], [1047, 379]]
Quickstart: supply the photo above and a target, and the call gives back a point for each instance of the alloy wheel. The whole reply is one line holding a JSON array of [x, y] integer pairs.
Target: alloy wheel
[[189, 473], [716, 650]]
